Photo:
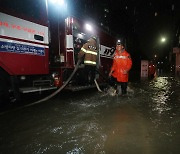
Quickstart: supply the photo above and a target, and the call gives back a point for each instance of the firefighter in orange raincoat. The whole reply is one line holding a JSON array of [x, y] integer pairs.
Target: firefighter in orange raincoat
[[122, 64]]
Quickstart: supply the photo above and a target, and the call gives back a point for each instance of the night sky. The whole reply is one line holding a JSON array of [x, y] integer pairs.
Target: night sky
[[146, 22], [142, 23]]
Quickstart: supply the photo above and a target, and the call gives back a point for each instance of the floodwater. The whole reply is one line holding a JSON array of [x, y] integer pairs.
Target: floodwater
[[89, 122]]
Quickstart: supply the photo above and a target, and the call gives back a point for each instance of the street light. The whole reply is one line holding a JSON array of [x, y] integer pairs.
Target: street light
[[60, 2], [88, 27], [163, 39]]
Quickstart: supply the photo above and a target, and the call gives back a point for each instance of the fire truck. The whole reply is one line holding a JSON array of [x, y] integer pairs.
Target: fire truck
[[38, 51]]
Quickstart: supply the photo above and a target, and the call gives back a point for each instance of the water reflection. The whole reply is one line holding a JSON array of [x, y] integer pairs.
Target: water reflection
[[161, 94], [92, 123]]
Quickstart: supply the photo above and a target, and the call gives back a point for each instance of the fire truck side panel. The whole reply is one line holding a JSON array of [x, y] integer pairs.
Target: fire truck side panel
[[106, 51], [69, 51], [23, 46]]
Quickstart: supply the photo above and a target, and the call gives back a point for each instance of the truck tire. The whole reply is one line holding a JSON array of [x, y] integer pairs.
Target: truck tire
[[15, 89], [4, 91]]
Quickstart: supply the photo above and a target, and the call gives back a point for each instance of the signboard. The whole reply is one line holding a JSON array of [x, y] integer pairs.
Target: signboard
[[106, 51], [176, 50], [22, 29], [21, 48], [144, 68]]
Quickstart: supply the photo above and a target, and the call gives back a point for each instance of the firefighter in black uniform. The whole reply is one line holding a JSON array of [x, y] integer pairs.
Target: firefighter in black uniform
[[89, 53]]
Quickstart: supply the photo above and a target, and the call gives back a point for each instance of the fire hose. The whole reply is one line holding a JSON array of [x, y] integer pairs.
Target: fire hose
[[64, 85], [53, 94], [58, 90]]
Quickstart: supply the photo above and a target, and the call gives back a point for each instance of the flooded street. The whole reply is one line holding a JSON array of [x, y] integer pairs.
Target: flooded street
[[89, 122]]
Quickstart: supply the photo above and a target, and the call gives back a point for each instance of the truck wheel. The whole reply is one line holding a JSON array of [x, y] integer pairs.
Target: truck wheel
[[15, 88], [4, 92]]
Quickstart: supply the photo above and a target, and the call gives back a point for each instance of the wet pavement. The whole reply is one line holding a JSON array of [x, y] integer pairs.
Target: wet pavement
[[89, 122]]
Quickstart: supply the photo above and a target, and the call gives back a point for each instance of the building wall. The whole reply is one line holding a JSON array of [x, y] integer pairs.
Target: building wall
[[177, 67]]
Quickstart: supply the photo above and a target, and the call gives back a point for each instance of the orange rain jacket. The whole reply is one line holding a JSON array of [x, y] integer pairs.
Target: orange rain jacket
[[122, 63]]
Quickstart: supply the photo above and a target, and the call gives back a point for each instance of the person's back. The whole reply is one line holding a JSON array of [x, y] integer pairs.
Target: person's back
[[89, 53]]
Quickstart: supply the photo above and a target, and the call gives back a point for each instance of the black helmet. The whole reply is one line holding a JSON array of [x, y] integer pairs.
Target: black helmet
[[92, 38]]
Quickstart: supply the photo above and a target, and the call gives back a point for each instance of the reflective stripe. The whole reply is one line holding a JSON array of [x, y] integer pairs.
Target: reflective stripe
[[89, 51], [122, 57], [83, 49], [89, 62]]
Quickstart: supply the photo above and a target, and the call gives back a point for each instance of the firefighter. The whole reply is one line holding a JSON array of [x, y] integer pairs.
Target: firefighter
[[122, 64], [89, 53]]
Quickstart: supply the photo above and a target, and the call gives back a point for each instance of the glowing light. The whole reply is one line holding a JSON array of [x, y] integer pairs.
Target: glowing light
[[53, 1], [80, 35], [88, 27], [118, 41], [59, 2], [163, 39]]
